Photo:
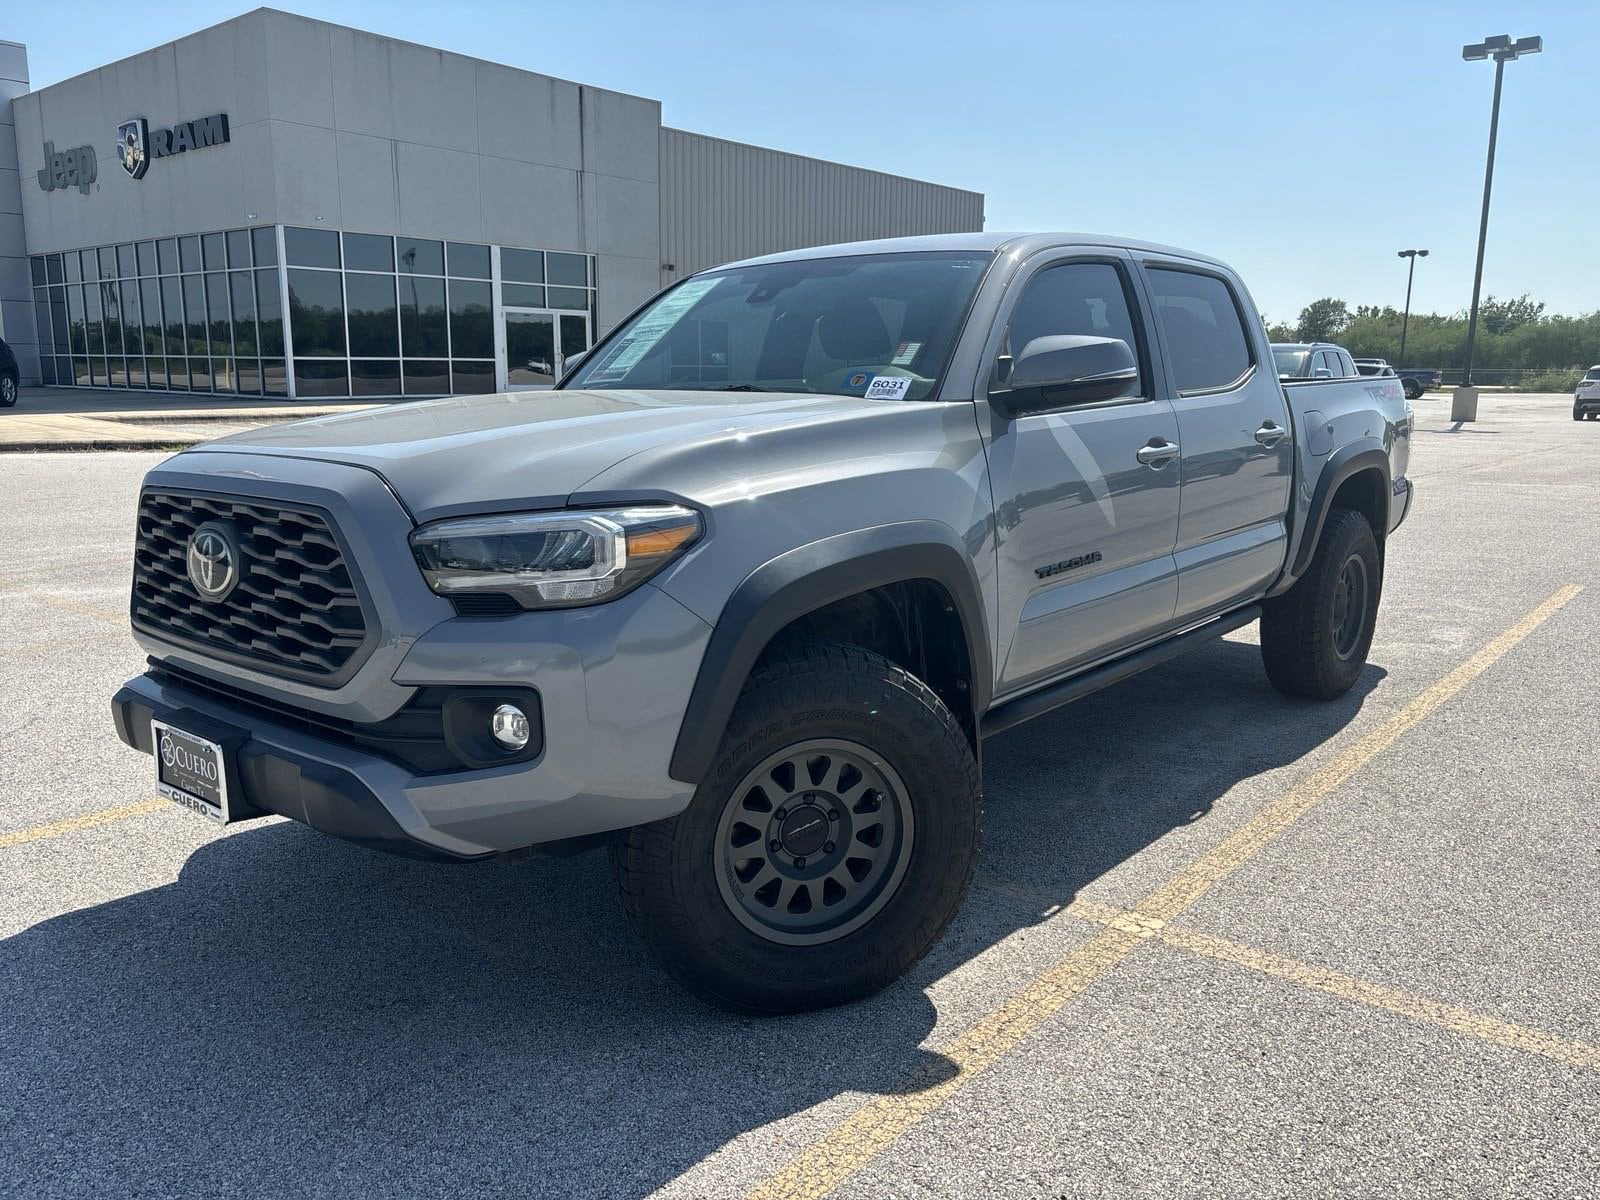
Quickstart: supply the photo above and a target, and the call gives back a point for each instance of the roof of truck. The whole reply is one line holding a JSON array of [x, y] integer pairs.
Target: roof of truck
[[1023, 243]]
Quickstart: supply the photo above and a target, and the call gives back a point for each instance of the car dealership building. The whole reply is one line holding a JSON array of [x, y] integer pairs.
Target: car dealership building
[[279, 206]]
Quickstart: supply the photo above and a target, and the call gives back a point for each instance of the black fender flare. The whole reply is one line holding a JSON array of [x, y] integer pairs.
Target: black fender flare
[[1365, 455], [805, 579]]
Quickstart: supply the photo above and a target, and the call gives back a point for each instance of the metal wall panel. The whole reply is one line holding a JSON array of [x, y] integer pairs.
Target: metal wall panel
[[722, 201]]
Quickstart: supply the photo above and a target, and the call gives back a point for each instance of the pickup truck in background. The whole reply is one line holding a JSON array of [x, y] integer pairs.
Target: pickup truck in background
[[1415, 380], [747, 622], [1314, 360]]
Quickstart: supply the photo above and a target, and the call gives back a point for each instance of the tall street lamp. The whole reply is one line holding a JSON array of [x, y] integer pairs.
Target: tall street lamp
[[1464, 404], [1411, 272]]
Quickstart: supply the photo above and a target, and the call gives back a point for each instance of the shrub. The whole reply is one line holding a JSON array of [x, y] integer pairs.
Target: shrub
[[1550, 381]]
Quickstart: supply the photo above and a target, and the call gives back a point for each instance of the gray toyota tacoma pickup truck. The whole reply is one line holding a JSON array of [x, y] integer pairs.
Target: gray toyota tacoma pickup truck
[[744, 595]]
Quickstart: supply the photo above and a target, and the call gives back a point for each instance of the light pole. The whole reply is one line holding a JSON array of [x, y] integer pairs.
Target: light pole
[[1405, 321], [1464, 404]]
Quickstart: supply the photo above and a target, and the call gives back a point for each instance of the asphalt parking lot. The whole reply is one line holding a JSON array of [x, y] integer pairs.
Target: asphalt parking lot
[[1223, 944]]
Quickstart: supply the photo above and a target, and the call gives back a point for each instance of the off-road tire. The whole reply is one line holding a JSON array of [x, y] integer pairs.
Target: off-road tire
[[667, 870], [1298, 644]]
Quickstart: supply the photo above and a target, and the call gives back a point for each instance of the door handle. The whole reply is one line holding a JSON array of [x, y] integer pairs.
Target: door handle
[[1270, 435], [1157, 453]]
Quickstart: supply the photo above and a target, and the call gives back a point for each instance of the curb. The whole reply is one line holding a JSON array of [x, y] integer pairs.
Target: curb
[[171, 443]]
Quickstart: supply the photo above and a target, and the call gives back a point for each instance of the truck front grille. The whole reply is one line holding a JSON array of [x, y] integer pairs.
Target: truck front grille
[[294, 610]]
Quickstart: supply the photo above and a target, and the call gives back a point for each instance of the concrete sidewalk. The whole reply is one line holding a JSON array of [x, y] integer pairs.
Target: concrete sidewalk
[[47, 418]]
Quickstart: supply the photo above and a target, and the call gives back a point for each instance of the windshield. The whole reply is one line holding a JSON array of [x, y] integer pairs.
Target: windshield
[[1291, 360], [880, 326]]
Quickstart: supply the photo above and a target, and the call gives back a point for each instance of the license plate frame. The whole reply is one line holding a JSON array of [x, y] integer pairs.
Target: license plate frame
[[188, 766]]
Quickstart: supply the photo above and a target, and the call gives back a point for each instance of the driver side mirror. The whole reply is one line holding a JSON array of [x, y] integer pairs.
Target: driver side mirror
[[570, 362], [1063, 370], [1322, 373]]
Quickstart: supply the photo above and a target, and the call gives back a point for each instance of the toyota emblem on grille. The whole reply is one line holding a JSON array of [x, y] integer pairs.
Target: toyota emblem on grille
[[213, 560]]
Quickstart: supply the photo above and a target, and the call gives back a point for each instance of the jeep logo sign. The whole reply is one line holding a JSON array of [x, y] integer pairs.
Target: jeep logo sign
[[68, 168], [138, 144]]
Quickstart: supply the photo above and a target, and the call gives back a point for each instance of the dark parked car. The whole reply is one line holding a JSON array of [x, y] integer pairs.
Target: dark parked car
[[9, 376]]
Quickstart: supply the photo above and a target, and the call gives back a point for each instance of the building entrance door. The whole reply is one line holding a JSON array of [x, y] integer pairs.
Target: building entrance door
[[537, 342]]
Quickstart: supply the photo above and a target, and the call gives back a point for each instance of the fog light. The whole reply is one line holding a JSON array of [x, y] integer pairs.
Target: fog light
[[509, 725]]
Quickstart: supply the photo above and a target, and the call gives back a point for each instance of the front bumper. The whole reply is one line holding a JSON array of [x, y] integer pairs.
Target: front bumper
[[281, 773], [612, 681], [1400, 502]]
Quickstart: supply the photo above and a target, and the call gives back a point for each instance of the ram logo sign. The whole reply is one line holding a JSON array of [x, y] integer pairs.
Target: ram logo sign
[[138, 144], [132, 138]]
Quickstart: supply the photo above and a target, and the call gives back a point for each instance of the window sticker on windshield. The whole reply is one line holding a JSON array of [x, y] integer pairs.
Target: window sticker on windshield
[[622, 356], [887, 387], [906, 352], [858, 380]]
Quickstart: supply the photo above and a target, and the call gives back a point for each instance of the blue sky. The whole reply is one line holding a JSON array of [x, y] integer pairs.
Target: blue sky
[[1303, 144]]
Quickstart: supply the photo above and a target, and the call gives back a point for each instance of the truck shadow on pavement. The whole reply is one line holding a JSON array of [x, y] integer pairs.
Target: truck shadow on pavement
[[295, 1016]]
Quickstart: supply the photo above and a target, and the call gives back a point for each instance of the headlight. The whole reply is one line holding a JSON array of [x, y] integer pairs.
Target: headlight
[[554, 559]]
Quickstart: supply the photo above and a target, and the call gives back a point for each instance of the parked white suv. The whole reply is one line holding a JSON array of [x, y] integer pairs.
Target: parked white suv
[[1586, 396]]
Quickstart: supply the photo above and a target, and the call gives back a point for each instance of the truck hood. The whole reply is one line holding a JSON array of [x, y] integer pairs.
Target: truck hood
[[530, 449]]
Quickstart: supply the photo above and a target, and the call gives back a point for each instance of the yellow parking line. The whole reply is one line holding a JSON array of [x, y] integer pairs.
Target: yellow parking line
[[1377, 995], [872, 1127], [1188, 885], [850, 1145], [63, 602], [1322, 979], [17, 650], [88, 820]]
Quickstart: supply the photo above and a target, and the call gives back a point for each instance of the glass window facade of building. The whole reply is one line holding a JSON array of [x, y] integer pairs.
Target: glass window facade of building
[[282, 310]]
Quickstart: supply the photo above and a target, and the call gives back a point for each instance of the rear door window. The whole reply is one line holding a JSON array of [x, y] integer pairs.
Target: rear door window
[[1205, 334]]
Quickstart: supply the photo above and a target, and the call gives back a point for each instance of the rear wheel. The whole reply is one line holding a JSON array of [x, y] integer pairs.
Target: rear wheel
[[827, 848], [1412, 388], [1315, 637], [8, 390]]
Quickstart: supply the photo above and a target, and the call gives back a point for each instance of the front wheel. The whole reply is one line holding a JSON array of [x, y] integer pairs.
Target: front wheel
[[1315, 637], [827, 848]]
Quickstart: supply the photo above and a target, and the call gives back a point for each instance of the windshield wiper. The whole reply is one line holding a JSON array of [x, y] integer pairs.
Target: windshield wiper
[[750, 387]]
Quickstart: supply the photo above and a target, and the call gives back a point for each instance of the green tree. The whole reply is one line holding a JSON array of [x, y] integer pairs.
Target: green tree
[[1503, 316], [1279, 332], [1323, 320]]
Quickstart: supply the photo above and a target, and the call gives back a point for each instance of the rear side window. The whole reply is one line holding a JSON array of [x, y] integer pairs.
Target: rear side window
[[1085, 298], [1205, 335]]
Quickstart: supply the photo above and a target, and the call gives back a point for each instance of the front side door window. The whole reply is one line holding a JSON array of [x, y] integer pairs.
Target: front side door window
[[1085, 526]]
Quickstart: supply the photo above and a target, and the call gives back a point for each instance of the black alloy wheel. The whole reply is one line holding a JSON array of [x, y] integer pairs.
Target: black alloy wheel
[[813, 842]]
